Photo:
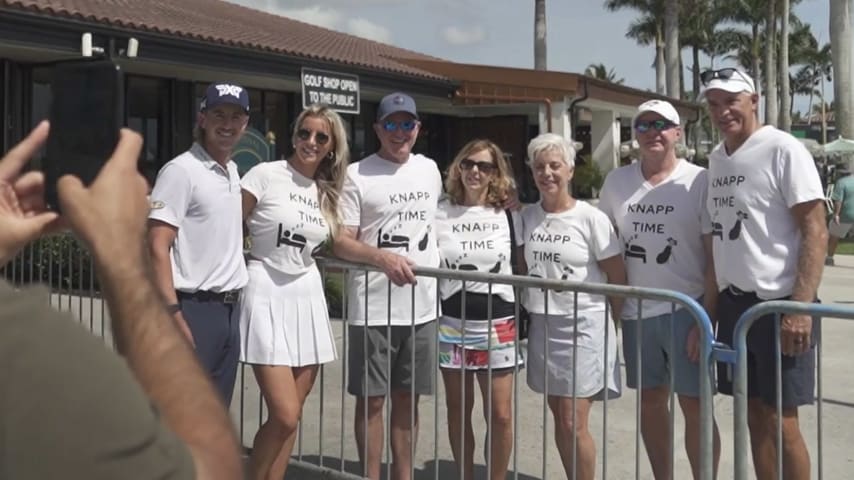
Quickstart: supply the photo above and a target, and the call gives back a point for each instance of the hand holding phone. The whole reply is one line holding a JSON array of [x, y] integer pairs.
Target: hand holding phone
[[86, 115]]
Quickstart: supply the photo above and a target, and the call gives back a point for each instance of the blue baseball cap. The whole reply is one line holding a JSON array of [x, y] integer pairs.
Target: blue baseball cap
[[225, 93], [396, 102]]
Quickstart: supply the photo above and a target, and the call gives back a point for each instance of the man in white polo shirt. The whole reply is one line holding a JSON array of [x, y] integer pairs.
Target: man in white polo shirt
[[658, 206], [769, 242], [388, 207], [196, 234]]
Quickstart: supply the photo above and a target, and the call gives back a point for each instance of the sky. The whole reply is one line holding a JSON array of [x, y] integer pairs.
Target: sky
[[500, 32]]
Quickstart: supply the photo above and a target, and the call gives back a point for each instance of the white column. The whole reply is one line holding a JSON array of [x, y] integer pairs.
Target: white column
[[605, 139], [561, 121]]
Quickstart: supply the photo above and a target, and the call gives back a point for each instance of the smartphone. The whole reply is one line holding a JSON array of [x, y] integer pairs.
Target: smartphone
[[86, 114]]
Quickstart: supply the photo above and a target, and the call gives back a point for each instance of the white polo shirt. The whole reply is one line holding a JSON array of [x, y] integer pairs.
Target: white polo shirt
[[394, 206], [202, 200], [661, 228], [751, 192]]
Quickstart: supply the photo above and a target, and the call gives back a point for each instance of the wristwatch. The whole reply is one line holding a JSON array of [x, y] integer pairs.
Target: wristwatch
[[173, 308]]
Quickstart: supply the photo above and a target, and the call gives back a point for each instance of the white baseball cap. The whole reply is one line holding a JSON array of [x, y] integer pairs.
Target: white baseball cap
[[730, 80], [661, 107]]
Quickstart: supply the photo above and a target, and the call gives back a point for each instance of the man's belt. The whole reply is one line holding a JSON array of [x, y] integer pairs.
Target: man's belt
[[231, 296]]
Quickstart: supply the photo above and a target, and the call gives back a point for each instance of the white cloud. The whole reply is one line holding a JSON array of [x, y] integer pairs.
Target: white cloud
[[463, 36], [320, 16], [367, 29]]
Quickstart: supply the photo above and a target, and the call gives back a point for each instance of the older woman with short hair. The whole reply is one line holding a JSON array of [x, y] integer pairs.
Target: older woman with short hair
[[572, 349]]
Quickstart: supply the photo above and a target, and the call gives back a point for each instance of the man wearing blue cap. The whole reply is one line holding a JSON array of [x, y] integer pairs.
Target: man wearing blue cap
[[196, 234], [388, 207]]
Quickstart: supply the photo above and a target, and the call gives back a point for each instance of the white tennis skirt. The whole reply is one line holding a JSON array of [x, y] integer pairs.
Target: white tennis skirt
[[284, 319]]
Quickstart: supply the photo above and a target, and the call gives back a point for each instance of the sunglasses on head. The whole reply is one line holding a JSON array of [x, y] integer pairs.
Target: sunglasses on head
[[406, 126], [723, 73], [483, 167], [319, 137], [659, 126]]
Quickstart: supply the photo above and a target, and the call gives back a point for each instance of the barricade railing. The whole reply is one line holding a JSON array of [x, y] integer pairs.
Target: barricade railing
[[737, 357], [523, 411], [325, 438]]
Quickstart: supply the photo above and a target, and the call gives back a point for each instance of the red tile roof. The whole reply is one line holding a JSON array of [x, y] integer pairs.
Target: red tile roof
[[220, 22]]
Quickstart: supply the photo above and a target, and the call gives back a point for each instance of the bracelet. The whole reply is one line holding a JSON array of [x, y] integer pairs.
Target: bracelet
[[173, 308]]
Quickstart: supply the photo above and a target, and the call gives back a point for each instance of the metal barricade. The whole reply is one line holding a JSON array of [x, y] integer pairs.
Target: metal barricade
[[325, 443], [737, 357]]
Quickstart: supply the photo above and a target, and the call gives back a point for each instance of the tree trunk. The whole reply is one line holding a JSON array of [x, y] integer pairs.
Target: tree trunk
[[671, 47], [771, 103], [755, 63], [785, 87], [823, 115], [695, 71], [660, 78], [539, 34], [841, 37], [809, 109]]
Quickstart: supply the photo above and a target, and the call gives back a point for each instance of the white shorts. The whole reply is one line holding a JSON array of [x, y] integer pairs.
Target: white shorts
[[592, 369], [284, 319], [839, 230]]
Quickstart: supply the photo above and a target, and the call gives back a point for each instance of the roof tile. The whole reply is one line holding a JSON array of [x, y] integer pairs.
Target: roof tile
[[217, 21]]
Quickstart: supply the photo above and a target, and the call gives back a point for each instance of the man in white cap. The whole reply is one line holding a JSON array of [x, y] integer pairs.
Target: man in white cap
[[388, 207], [769, 242], [657, 205]]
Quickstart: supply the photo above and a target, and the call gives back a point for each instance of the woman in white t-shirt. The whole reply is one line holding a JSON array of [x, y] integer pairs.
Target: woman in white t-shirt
[[290, 208], [572, 348], [475, 234]]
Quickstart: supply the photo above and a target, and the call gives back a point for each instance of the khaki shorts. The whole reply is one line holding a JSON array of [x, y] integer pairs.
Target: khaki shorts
[[839, 230], [381, 357]]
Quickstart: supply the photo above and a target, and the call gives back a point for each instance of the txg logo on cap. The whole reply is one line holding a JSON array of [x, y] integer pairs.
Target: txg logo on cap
[[232, 90]]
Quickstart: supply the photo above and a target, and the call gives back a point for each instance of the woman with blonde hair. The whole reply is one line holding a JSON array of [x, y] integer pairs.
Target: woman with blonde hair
[[475, 233], [290, 208], [572, 348]]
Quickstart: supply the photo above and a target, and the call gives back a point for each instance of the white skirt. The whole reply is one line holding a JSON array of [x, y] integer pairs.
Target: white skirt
[[284, 319], [592, 370]]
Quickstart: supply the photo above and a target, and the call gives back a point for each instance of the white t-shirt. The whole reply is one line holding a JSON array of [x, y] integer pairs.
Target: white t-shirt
[[201, 199], [394, 206], [756, 240], [286, 225], [661, 228], [475, 239], [567, 246]]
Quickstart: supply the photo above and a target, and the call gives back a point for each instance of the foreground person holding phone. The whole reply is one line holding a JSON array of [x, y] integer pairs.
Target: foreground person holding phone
[[71, 407]]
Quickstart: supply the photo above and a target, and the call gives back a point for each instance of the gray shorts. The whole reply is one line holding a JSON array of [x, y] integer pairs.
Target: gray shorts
[[370, 351], [656, 352]]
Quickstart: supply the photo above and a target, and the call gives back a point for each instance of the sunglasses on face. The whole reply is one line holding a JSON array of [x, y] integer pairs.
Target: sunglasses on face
[[657, 125], [483, 167], [724, 74], [319, 137], [406, 126]]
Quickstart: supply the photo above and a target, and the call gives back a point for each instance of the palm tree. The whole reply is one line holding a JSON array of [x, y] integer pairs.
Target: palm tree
[[753, 14], [841, 38], [770, 63], [540, 34], [600, 71], [648, 29], [672, 51], [785, 87]]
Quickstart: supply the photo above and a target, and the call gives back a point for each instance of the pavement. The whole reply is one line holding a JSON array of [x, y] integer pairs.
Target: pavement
[[326, 436]]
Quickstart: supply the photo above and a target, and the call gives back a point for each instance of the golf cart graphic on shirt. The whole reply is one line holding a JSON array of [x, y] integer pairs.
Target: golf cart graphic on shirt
[[734, 232], [389, 240], [290, 238]]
